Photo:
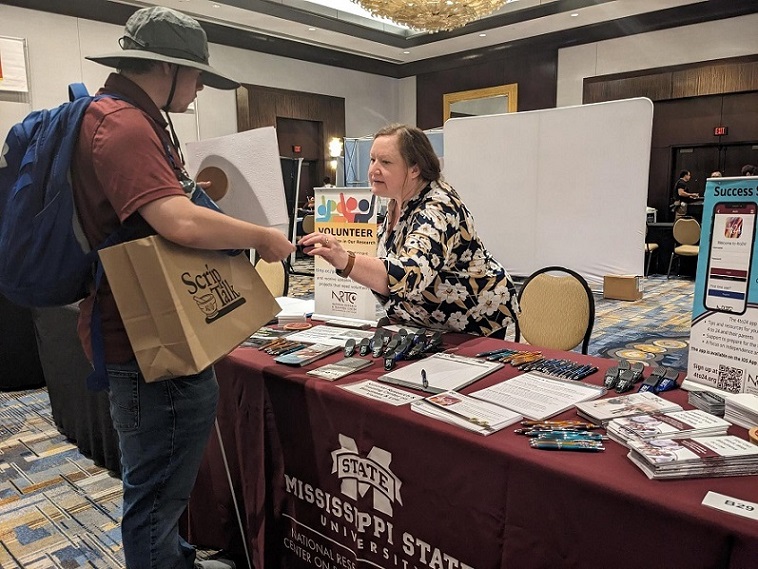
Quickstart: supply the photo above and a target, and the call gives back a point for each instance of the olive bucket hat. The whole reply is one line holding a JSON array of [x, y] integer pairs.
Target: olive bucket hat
[[162, 34]]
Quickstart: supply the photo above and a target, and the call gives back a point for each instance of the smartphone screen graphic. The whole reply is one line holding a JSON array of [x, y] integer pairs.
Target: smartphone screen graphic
[[730, 257]]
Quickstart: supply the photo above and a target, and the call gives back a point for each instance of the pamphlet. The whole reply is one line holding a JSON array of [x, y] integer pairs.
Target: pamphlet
[[725, 455], [674, 425], [339, 369], [332, 335], [472, 414], [306, 355], [380, 392], [742, 409], [600, 412], [441, 372], [537, 397]]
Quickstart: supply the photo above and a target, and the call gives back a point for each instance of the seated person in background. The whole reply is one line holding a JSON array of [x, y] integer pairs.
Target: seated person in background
[[749, 170], [431, 267], [715, 174], [328, 182]]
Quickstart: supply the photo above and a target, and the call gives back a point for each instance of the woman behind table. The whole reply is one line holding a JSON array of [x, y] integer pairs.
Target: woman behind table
[[431, 267]]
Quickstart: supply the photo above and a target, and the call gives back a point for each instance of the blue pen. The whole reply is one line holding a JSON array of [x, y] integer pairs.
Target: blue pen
[[490, 353], [584, 374], [567, 435], [577, 373]]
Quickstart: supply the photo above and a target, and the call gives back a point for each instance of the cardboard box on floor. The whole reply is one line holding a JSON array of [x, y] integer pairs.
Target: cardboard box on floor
[[622, 287], [184, 309]]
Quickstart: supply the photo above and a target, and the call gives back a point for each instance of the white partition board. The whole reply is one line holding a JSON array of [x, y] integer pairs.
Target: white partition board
[[250, 161], [564, 186]]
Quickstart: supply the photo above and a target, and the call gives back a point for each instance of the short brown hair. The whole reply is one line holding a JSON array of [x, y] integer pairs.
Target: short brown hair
[[136, 66], [415, 149]]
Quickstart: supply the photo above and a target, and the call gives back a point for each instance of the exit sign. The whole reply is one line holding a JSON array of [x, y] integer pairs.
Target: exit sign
[[720, 131]]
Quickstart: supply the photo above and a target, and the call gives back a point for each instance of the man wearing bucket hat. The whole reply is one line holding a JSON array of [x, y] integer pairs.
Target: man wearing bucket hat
[[127, 169]]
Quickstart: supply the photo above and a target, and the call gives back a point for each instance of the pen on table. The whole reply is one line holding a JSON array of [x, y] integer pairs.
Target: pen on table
[[424, 380], [491, 353], [567, 435], [566, 423], [290, 349], [577, 371], [586, 446], [534, 431], [585, 373]]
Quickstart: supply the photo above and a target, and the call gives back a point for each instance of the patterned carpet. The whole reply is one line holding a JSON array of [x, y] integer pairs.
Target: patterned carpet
[[60, 511], [654, 330]]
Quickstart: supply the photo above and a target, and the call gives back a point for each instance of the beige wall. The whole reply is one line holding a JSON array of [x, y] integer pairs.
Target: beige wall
[[732, 37], [57, 45]]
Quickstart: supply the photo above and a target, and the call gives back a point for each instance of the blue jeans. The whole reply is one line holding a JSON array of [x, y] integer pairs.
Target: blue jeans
[[163, 428]]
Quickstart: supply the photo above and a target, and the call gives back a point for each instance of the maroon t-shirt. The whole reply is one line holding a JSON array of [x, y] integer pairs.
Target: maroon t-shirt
[[120, 164]]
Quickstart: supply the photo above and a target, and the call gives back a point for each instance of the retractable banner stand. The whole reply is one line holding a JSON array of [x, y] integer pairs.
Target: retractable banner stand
[[724, 336], [349, 214]]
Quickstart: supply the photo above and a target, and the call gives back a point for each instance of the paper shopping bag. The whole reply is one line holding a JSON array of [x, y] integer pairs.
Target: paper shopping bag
[[184, 309]]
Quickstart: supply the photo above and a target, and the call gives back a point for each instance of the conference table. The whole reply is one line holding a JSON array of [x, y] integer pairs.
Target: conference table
[[328, 479]]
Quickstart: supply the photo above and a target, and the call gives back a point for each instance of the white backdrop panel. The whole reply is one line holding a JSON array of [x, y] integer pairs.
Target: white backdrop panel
[[250, 161], [564, 186]]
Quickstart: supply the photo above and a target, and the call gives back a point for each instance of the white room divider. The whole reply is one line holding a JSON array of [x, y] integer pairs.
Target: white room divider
[[564, 186]]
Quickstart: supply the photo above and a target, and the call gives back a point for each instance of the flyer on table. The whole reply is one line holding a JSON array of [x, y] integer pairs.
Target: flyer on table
[[724, 336]]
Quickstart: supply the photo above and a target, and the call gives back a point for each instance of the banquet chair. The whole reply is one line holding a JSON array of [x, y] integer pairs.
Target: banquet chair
[[687, 234], [557, 309], [650, 248], [275, 276]]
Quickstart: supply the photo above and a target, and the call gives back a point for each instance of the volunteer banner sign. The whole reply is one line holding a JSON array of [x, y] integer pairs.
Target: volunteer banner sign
[[349, 214], [724, 336], [184, 309]]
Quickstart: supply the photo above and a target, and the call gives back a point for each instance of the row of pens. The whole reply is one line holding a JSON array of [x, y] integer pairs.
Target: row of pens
[[534, 361]]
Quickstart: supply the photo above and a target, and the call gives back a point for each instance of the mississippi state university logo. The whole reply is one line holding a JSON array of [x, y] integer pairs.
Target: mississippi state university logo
[[361, 474]]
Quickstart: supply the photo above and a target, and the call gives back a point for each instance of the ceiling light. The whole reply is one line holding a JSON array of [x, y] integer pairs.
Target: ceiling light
[[574, 15], [311, 29], [431, 15], [406, 52], [482, 35]]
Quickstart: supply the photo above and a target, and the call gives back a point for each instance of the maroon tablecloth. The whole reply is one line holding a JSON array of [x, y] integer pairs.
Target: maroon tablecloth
[[327, 479]]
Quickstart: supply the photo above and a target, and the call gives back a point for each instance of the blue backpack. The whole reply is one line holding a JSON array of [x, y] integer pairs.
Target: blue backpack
[[45, 259]]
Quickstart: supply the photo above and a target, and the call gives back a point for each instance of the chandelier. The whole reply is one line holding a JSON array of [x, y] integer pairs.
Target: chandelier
[[431, 15]]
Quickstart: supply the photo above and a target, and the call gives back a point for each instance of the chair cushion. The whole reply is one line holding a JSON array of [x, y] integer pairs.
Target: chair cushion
[[687, 250], [555, 312]]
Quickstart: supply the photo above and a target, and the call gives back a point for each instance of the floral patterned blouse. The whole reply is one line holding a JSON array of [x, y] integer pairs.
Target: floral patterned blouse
[[440, 274]]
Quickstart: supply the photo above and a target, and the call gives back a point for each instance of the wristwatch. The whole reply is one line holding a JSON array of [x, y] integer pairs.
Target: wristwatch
[[344, 273]]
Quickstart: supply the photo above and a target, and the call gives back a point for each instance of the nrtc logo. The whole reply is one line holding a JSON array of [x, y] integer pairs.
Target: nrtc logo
[[359, 474], [345, 296]]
